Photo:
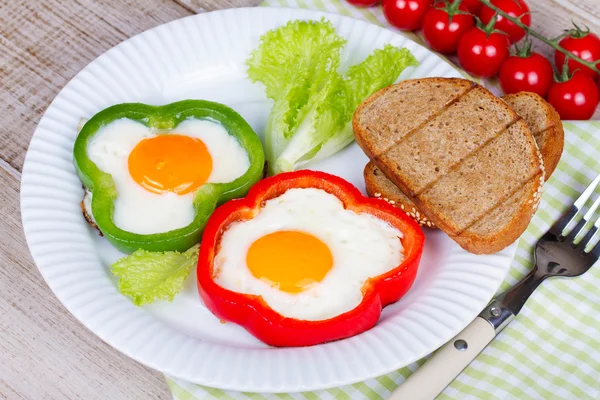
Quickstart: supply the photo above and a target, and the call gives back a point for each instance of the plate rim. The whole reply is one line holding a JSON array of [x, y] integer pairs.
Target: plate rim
[[26, 211]]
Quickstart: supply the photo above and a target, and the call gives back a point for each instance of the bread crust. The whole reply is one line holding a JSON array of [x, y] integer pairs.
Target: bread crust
[[553, 147], [550, 140], [506, 234]]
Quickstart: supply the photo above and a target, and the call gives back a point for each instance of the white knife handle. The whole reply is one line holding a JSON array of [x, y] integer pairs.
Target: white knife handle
[[447, 363]]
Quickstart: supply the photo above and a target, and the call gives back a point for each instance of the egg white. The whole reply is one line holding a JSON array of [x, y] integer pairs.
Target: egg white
[[140, 211], [362, 246]]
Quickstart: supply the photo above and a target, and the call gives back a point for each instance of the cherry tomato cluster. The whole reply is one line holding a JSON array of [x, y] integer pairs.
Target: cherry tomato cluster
[[482, 40]]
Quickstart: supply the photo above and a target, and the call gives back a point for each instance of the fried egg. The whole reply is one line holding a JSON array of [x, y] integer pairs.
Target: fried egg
[[156, 173], [306, 255]]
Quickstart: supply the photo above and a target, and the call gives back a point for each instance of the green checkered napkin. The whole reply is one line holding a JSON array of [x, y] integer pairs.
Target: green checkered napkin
[[552, 349]]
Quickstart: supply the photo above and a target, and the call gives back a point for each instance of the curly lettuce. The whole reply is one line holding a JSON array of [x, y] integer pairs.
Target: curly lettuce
[[146, 276], [313, 102]]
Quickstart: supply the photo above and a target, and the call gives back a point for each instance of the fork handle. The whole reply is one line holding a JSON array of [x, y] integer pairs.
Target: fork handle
[[447, 363]]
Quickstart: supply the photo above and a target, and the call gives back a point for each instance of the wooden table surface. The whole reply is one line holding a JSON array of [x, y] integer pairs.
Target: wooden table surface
[[44, 352]]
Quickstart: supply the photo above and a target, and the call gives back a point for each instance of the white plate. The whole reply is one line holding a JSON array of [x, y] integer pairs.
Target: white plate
[[202, 57]]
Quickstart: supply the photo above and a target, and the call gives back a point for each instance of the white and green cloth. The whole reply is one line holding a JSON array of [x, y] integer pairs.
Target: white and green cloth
[[552, 349]]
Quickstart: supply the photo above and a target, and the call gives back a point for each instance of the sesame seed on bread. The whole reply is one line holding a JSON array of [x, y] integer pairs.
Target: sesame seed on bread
[[378, 185]]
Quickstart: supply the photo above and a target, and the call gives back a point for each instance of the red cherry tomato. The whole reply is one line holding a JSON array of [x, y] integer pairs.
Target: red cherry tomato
[[443, 26], [406, 15], [530, 74], [473, 6], [576, 98], [482, 54], [514, 8], [363, 3], [587, 47]]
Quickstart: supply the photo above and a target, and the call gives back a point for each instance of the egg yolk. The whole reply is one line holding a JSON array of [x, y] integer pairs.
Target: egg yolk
[[289, 260], [170, 163]]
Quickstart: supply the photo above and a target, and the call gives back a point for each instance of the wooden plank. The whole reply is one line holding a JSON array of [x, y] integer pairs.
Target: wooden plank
[[211, 5], [44, 351], [45, 43], [551, 17]]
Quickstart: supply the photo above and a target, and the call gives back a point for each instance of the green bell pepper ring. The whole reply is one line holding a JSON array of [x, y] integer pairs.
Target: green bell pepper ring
[[207, 197]]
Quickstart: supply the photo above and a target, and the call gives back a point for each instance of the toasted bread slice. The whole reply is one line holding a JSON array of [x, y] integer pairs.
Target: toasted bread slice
[[541, 118], [471, 166]]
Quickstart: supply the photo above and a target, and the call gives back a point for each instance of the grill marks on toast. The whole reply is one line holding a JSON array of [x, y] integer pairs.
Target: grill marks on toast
[[457, 164], [480, 225], [509, 201], [488, 225], [454, 193], [386, 130], [459, 130]]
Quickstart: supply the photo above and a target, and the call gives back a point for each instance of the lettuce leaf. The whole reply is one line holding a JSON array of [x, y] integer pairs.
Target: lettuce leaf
[[323, 115], [147, 276], [293, 62], [299, 64]]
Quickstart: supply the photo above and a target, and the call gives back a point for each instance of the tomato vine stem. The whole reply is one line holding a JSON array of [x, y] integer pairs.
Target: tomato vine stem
[[550, 42]]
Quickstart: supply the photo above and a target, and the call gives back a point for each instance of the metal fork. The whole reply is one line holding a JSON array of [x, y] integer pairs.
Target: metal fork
[[563, 251]]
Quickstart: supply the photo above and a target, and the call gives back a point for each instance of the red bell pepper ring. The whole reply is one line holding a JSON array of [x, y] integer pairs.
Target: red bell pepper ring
[[256, 316]]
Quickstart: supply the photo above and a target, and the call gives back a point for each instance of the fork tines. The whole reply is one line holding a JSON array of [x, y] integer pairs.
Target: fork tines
[[560, 228]]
